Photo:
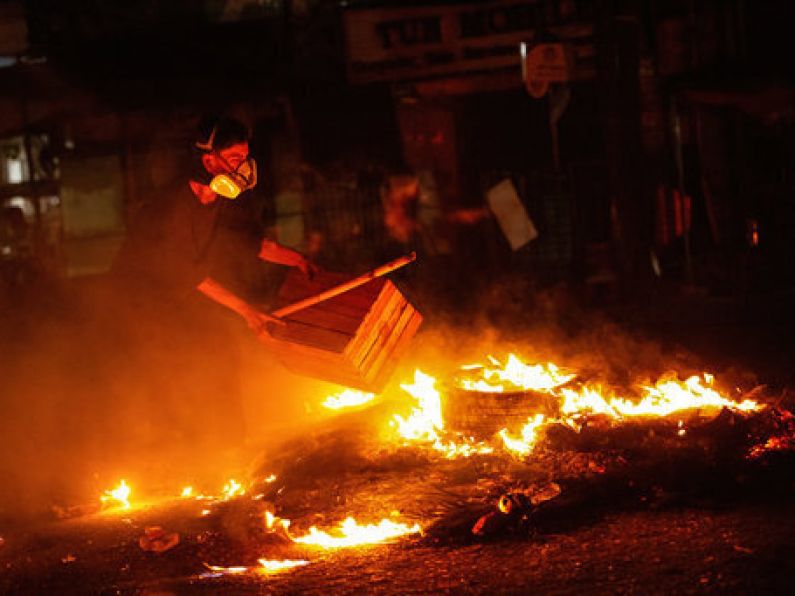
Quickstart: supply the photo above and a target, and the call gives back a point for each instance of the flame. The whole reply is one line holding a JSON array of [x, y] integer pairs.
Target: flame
[[120, 494], [271, 520], [347, 399], [271, 478], [425, 423], [352, 534], [667, 397], [526, 444], [426, 419], [187, 492], [227, 570], [518, 375], [233, 489], [266, 567], [274, 566]]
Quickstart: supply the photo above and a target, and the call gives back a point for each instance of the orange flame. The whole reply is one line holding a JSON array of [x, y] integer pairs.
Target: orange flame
[[266, 567], [517, 375], [120, 494], [348, 398], [233, 489], [667, 397], [425, 423], [526, 444], [353, 534]]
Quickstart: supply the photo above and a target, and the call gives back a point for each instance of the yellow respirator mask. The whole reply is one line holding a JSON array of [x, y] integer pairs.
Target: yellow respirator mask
[[232, 183], [235, 180]]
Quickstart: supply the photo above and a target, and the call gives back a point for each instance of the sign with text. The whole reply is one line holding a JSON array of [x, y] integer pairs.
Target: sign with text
[[392, 44]]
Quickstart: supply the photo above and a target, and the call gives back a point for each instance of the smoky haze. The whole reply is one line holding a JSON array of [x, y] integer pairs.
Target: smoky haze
[[101, 382]]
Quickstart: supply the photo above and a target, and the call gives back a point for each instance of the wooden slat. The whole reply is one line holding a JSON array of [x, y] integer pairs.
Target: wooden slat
[[383, 375], [365, 338], [392, 337], [382, 333], [310, 335], [322, 317]]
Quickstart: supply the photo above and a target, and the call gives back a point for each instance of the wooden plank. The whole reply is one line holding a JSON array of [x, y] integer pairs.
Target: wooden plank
[[385, 352], [296, 284], [382, 333], [389, 299], [319, 337], [321, 317], [382, 376], [362, 343]]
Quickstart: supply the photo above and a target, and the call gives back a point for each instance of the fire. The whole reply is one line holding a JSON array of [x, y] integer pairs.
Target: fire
[[668, 396], [266, 567], [233, 489], [425, 423], [187, 492], [271, 520], [518, 375], [524, 445], [274, 566], [347, 399], [120, 494], [425, 419], [353, 534]]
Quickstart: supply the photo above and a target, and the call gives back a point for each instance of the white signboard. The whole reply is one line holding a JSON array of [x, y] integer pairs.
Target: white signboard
[[409, 42], [511, 214]]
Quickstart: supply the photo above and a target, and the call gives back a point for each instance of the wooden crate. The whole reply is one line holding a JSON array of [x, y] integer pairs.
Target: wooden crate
[[354, 339]]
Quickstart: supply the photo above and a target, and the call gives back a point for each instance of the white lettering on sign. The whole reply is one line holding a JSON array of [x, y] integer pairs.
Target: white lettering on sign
[[412, 42]]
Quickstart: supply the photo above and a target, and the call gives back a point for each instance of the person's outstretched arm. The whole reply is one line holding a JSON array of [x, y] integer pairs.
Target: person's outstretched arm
[[283, 255], [255, 318]]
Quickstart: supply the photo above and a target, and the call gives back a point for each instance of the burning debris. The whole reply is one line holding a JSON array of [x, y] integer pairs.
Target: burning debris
[[119, 496], [506, 448]]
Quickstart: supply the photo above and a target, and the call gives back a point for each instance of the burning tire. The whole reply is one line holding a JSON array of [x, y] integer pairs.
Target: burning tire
[[482, 414]]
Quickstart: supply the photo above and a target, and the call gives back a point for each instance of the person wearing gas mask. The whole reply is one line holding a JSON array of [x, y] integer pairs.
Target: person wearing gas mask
[[223, 222], [198, 234], [204, 231]]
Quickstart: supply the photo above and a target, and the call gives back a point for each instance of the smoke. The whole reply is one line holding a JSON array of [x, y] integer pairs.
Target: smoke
[[101, 381]]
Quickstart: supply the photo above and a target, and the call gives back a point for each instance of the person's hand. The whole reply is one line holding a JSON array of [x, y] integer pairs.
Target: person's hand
[[258, 321], [308, 268]]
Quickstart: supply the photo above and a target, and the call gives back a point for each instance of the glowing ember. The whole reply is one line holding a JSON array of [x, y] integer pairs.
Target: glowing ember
[[120, 494], [187, 492], [227, 570], [271, 478], [233, 489], [266, 567], [274, 566], [347, 399], [524, 445], [271, 521], [352, 534], [518, 376]]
